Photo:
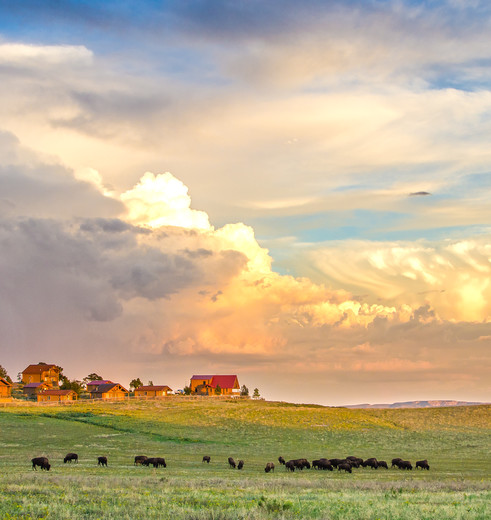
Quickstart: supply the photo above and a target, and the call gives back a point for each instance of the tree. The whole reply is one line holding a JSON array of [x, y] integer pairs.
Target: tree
[[244, 391], [3, 373], [218, 390], [256, 395], [187, 390], [62, 378], [93, 377], [74, 385], [135, 383], [150, 383]]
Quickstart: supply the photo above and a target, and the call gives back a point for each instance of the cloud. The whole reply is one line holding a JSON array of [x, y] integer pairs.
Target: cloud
[[38, 56]]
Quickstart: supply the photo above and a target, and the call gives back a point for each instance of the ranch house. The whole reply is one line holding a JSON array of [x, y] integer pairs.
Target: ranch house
[[57, 395], [93, 384], [41, 373], [5, 390], [152, 391], [31, 390], [108, 391], [207, 384]]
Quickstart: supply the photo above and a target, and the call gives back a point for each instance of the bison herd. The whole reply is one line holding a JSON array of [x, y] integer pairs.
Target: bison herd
[[346, 464]]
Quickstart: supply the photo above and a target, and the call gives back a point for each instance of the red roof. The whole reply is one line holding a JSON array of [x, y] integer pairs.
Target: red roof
[[224, 381], [38, 369]]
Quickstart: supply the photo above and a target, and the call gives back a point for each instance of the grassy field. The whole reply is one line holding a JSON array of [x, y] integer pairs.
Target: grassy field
[[456, 442]]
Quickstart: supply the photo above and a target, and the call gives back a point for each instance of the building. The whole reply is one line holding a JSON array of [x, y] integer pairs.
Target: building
[[207, 384], [93, 384], [152, 391], [5, 390], [108, 391], [41, 373], [57, 395], [31, 390]]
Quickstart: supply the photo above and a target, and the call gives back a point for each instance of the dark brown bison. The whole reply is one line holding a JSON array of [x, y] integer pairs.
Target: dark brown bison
[[269, 467], [140, 459], [69, 457], [102, 461], [354, 461], [335, 462], [323, 464], [231, 462], [382, 464], [281, 460], [240, 465], [395, 462], [42, 462], [290, 465], [159, 462], [372, 463], [301, 463], [206, 458], [423, 464], [346, 466], [405, 464]]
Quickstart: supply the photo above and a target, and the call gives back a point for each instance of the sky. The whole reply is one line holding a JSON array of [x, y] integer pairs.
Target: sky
[[294, 192]]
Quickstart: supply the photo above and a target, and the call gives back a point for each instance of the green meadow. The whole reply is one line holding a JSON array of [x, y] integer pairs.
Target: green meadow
[[456, 442]]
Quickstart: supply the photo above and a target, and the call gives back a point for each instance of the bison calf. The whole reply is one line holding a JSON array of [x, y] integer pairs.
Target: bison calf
[[423, 464], [281, 460], [231, 462], [240, 465], [102, 461], [269, 467], [206, 458]]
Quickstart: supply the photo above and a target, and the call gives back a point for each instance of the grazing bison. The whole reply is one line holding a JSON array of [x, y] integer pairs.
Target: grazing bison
[[335, 462], [231, 462], [140, 459], [395, 462], [281, 460], [346, 466], [372, 463], [382, 464], [69, 457], [290, 465], [351, 458], [206, 458], [301, 463], [42, 462], [159, 462], [240, 465], [323, 464], [102, 461], [423, 464], [269, 467], [405, 464]]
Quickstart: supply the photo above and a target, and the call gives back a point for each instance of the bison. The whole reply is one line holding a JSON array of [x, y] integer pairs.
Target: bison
[[346, 466], [372, 463], [206, 458], [42, 462], [335, 462], [69, 457], [281, 460], [290, 465], [140, 459], [423, 464], [102, 461], [395, 462], [405, 464], [301, 463], [323, 464], [382, 464], [240, 465], [269, 467], [231, 462]]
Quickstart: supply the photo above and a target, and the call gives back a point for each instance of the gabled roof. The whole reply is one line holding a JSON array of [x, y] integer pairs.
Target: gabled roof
[[57, 392], [153, 387], [5, 382], [34, 385], [224, 381], [38, 369], [201, 377], [102, 389], [99, 382]]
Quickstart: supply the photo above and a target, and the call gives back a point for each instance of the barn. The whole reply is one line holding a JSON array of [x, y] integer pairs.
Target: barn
[[152, 391], [108, 391], [5, 390], [57, 395], [207, 385]]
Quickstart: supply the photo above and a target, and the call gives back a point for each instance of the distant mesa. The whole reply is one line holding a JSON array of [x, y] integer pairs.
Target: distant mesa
[[419, 193], [417, 404]]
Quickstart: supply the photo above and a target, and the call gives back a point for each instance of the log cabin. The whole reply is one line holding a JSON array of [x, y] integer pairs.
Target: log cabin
[[152, 391], [5, 390], [108, 391], [41, 373], [57, 395], [207, 384]]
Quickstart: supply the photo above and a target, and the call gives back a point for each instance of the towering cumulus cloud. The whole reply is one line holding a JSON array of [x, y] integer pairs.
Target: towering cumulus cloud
[[142, 277]]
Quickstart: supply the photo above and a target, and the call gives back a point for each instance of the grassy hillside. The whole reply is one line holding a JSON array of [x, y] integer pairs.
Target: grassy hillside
[[455, 441]]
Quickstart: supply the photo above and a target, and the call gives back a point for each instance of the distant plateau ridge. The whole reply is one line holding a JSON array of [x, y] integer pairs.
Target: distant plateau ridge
[[416, 404]]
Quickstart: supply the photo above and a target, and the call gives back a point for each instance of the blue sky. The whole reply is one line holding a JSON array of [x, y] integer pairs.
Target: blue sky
[[330, 159]]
